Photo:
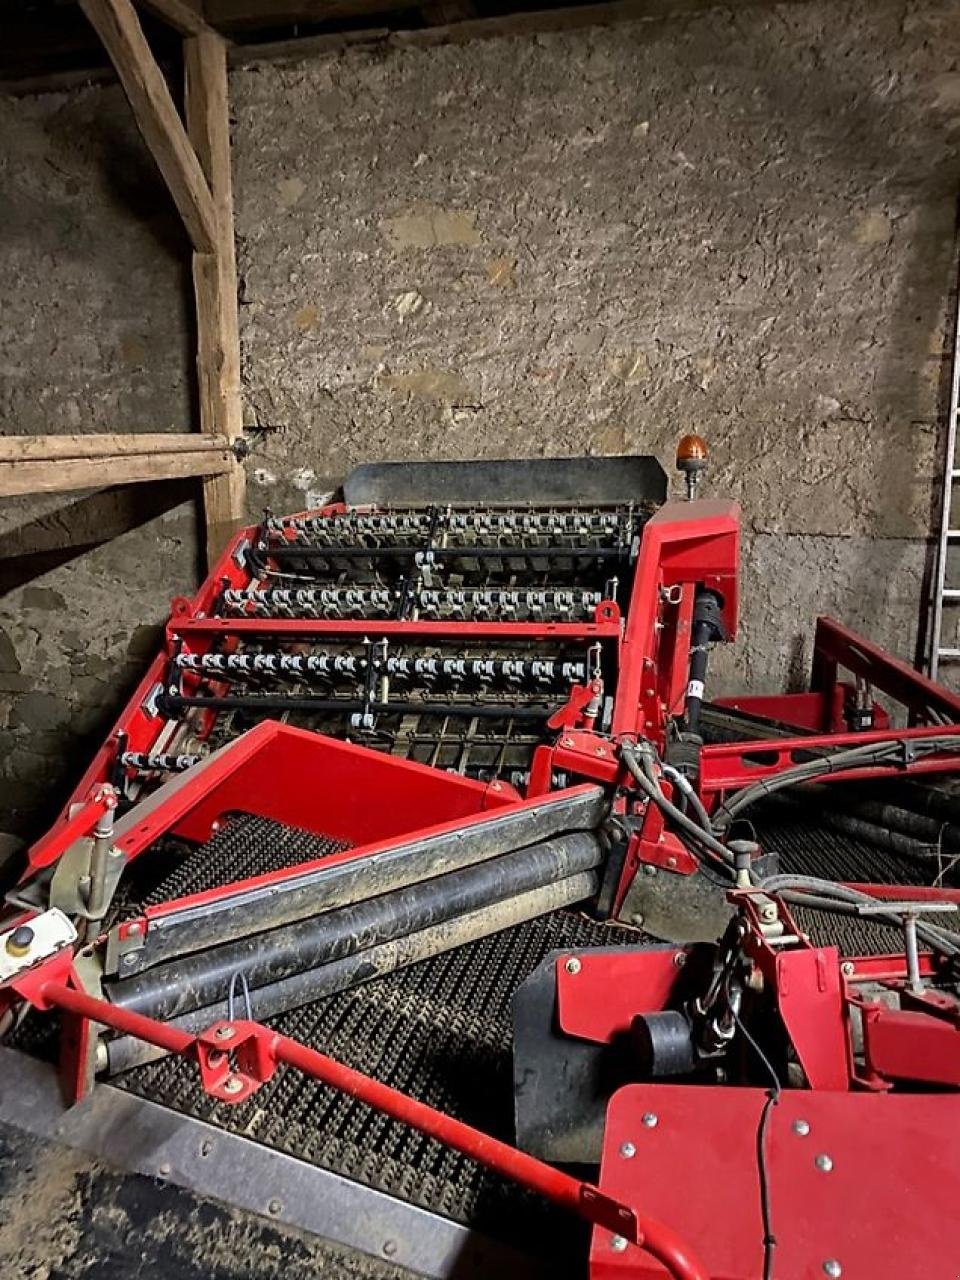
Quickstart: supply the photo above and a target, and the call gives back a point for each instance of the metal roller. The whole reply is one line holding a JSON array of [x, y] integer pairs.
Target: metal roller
[[204, 977]]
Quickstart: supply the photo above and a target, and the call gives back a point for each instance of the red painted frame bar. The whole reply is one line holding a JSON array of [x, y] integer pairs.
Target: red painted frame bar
[[836, 646], [723, 767], [581, 1198], [372, 626], [683, 544]]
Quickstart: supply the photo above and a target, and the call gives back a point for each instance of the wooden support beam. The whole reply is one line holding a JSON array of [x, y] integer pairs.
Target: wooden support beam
[[14, 449], [116, 22], [185, 16], [59, 464], [215, 282]]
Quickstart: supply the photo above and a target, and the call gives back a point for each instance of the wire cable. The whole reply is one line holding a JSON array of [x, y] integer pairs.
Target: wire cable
[[763, 1173]]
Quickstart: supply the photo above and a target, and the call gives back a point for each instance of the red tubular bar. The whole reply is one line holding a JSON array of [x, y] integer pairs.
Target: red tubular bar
[[581, 1198]]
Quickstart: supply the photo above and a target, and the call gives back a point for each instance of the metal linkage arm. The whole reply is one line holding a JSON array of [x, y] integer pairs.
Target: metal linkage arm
[[257, 1051]]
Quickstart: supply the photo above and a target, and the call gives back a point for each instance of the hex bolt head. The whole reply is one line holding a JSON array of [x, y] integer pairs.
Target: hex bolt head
[[680, 959], [801, 1128], [823, 1163], [129, 959], [832, 1268], [224, 1033], [573, 965], [768, 912], [649, 869], [164, 1170], [649, 1120], [618, 1243], [274, 1207], [232, 1084], [848, 969], [628, 1150]]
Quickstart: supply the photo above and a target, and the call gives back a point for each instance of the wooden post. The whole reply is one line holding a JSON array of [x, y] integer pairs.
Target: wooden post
[[195, 163], [215, 281], [118, 26]]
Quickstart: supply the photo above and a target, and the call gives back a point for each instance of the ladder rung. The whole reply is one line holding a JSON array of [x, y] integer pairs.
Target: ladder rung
[[953, 533], [951, 593], [955, 473], [948, 653]]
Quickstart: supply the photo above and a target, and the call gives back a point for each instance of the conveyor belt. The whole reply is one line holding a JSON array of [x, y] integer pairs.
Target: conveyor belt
[[441, 1031], [245, 846]]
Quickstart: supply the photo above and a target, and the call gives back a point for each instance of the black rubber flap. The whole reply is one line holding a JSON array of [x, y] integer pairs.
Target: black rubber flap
[[504, 482]]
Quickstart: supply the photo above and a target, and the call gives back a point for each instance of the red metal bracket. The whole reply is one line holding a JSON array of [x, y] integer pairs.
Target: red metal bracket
[[235, 1059], [599, 995]]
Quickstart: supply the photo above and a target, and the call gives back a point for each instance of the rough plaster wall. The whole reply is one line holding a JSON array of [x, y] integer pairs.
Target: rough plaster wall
[[739, 224], [557, 244], [93, 337]]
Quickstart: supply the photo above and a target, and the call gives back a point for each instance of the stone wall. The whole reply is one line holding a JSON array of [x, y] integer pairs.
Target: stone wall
[[94, 336], [740, 223]]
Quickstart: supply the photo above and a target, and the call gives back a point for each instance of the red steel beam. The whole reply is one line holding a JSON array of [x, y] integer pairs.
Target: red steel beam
[[581, 1198]]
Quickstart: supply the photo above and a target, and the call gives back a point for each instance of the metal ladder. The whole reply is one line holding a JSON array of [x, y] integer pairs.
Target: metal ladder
[[949, 536]]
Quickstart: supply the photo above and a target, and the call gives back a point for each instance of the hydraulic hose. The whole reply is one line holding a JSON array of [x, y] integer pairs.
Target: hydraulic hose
[[827, 895], [853, 758], [639, 761]]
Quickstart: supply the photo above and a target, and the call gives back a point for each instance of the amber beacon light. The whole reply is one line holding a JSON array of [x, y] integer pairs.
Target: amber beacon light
[[692, 461]]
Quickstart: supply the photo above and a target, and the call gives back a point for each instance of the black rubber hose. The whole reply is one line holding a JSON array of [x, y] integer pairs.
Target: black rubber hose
[[871, 753], [939, 938]]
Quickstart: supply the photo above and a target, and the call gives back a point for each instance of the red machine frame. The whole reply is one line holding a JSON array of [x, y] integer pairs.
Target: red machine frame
[[684, 547]]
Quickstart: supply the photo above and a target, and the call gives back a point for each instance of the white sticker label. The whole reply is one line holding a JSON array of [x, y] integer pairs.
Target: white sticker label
[[695, 689]]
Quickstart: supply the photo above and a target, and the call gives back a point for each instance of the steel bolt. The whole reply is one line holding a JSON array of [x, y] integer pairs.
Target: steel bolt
[[232, 1084], [389, 1247], [133, 928], [637, 918], [164, 1170], [567, 742], [274, 1207], [649, 869], [832, 1268], [572, 965], [848, 968], [129, 959], [768, 912], [628, 1150], [649, 1119], [224, 1033], [618, 1243], [823, 1163], [801, 1127], [680, 959]]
